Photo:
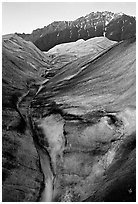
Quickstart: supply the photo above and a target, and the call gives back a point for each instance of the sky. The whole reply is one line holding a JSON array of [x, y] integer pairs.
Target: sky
[[27, 16]]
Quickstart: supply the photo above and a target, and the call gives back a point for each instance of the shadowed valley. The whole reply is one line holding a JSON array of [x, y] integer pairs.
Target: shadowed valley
[[69, 117]]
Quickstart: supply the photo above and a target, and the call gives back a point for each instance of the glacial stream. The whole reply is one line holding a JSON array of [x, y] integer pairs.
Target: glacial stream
[[48, 191], [47, 194]]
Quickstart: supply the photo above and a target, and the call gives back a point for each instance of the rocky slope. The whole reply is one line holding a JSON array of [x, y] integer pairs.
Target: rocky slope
[[70, 137], [22, 64], [115, 26]]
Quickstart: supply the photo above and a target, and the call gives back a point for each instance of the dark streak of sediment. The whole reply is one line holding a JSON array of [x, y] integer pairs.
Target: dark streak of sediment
[[91, 117]]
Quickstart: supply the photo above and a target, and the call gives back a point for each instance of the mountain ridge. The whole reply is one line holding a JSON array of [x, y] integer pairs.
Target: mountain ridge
[[114, 26]]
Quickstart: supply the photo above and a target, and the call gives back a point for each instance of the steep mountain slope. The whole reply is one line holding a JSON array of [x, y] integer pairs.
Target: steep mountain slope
[[22, 63], [85, 118], [114, 26], [67, 52]]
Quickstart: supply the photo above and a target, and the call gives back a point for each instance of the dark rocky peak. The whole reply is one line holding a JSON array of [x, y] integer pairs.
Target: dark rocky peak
[[121, 28]]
